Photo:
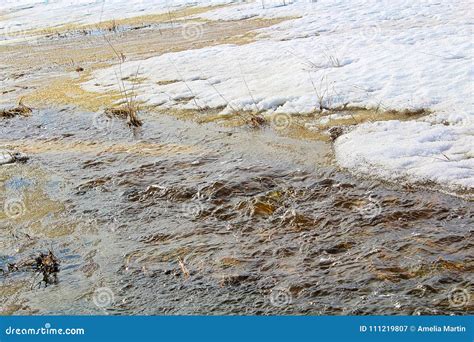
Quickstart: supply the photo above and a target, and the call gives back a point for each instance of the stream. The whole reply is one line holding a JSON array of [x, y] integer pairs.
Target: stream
[[185, 218]]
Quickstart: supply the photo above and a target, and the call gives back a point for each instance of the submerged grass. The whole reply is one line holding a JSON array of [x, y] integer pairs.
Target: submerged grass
[[67, 92], [309, 126], [113, 25], [128, 112], [20, 110]]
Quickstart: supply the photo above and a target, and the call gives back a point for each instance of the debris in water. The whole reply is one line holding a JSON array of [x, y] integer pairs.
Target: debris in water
[[10, 157], [233, 279], [45, 264], [183, 268], [256, 121], [126, 112], [21, 109], [48, 265], [335, 132]]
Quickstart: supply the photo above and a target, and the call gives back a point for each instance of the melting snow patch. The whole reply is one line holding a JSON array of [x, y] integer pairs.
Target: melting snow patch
[[414, 150]]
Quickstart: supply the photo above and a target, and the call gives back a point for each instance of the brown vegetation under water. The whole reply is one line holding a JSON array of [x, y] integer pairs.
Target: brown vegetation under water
[[128, 112], [256, 121], [45, 264], [20, 109]]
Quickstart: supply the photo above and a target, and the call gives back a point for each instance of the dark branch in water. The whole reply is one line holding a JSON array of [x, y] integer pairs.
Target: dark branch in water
[[44, 264]]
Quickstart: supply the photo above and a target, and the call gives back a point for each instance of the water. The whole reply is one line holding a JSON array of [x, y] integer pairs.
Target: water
[[181, 218]]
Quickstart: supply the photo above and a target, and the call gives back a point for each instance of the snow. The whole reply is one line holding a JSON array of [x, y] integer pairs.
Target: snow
[[266, 9], [419, 151], [404, 63], [397, 54], [24, 15]]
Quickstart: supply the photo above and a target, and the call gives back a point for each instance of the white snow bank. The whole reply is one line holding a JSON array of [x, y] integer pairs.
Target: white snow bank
[[418, 151], [262, 9]]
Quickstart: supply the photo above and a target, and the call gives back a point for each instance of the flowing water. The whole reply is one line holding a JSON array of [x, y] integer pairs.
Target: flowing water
[[182, 218]]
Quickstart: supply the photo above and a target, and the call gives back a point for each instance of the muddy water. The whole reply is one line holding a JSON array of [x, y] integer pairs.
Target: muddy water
[[180, 218]]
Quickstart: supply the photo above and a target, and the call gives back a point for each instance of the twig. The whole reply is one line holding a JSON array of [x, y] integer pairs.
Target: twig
[[247, 86], [187, 86], [183, 268]]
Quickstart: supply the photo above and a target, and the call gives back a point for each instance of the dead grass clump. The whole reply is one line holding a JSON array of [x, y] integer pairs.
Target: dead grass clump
[[44, 264], [128, 112], [113, 26], [251, 119], [48, 266], [131, 108], [166, 82], [417, 112], [21, 109], [335, 132], [256, 121]]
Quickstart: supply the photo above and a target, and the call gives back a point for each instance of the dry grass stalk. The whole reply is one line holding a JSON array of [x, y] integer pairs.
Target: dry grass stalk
[[131, 108], [256, 120], [183, 268]]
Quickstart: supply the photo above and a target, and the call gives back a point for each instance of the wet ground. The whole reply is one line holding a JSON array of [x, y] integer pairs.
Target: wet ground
[[184, 218]]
